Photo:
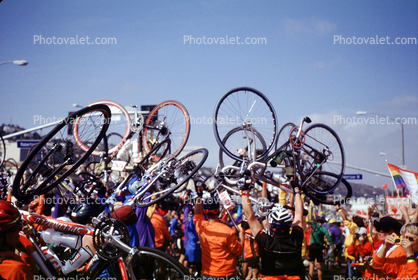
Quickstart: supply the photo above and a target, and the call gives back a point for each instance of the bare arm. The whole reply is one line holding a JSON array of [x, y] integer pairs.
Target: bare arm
[[254, 224], [298, 217]]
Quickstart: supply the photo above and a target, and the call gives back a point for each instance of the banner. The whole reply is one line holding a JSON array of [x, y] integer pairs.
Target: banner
[[393, 204], [403, 178]]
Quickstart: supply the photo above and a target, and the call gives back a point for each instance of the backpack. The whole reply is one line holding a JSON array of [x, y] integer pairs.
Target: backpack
[[286, 254]]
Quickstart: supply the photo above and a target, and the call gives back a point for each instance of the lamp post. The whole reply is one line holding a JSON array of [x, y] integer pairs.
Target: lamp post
[[17, 62], [402, 136]]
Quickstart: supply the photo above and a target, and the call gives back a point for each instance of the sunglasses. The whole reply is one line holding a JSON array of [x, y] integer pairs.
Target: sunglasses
[[215, 211], [409, 238]]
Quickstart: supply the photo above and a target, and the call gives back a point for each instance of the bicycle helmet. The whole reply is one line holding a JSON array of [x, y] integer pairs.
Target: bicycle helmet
[[9, 216], [210, 203], [85, 210], [280, 216]]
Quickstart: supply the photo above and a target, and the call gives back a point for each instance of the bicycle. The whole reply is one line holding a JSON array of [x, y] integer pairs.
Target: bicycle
[[169, 119], [305, 156], [118, 261], [36, 177]]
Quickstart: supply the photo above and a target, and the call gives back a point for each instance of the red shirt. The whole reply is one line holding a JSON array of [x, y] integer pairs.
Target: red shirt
[[360, 250]]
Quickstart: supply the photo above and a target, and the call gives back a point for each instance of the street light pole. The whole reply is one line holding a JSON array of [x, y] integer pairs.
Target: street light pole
[[17, 62], [402, 135]]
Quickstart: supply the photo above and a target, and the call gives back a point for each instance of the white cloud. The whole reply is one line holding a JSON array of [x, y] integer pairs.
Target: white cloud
[[311, 26]]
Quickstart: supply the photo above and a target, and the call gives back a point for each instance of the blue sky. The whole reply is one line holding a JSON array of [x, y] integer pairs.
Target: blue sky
[[299, 67]]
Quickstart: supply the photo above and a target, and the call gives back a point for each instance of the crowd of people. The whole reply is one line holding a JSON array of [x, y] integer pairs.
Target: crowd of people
[[214, 244]]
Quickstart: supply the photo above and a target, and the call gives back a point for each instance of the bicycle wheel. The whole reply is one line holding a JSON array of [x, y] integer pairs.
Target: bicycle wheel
[[2, 150], [239, 141], [169, 119], [248, 108], [322, 151], [178, 174], [324, 181], [121, 124], [159, 150], [283, 136], [146, 265], [41, 172]]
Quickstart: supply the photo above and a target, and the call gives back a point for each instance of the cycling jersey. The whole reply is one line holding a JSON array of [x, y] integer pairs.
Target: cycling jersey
[[281, 254], [161, 230], [247, 245], [13, 268], [220, 247]]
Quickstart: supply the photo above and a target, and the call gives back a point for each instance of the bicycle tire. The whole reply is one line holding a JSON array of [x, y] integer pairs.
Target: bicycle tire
[[239, 143], [182, 170], [158, 150], [124, 128], [63, 157], [339, 195], [322, 144], [244, 106], [143, 266], [176, 127], [283, 136], [2, 151]]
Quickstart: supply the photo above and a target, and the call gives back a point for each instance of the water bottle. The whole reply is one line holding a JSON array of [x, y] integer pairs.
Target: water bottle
[[278, 159], [77, 260], [123, 153], [61, 239]]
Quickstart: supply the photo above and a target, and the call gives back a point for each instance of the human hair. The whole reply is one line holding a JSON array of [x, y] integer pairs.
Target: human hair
[[359, 221], [410, 227]]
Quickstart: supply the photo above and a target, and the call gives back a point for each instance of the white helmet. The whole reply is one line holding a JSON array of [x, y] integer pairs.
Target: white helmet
[[280, 215]]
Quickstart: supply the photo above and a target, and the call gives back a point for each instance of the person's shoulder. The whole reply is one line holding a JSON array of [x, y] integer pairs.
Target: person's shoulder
[[198, 217], [224, 228]]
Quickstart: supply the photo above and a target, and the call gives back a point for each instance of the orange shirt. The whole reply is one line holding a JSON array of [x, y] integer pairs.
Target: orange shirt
[[161, 230], [248, 253], [14, 269], [392, 264], [220, 247]]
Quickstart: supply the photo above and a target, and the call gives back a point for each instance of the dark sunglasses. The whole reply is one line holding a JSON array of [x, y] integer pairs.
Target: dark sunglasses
[[215, 211], [409, 238]]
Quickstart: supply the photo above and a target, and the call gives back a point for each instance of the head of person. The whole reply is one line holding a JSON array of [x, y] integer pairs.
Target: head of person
[[332, 222], [10, 225], [211, 207], [410, 231], [386, 226], [361, 234], [162, 207], [320, 219], [280, 220], [359, 221], [87, 209]]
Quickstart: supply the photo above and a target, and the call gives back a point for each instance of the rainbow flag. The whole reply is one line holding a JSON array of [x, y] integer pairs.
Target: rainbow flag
[[396, 176], [403, 178]]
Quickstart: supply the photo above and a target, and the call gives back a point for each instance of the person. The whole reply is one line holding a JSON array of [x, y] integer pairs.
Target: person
[[316, 245], [12, 266], [162, 235], [250, 266], [409, 243], [360, 249], [219, 243], [337, 238], [192, 243], [281, 243], [352, 225], [389, 257]]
